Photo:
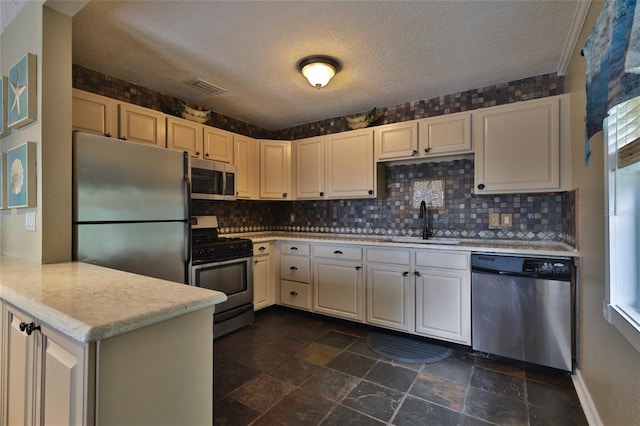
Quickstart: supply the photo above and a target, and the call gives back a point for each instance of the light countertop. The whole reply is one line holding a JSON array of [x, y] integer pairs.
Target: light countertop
[[90, 303], [514, 247]]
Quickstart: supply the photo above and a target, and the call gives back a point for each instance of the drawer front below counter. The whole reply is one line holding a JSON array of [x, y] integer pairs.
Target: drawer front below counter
[[295, 294]]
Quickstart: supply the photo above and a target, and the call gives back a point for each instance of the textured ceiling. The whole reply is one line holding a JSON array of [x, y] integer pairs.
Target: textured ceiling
[[391, 52]]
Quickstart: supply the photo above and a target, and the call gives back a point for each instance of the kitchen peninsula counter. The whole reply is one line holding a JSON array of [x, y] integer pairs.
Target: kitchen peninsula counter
[[515, 247], [90, 303]]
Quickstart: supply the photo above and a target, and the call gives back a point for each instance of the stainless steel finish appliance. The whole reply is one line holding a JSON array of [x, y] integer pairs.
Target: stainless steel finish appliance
[[523, 308], [131, 207], [226, 265], [212, 180]]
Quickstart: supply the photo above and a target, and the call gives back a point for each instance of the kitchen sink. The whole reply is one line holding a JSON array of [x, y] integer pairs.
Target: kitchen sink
[[419, 240]]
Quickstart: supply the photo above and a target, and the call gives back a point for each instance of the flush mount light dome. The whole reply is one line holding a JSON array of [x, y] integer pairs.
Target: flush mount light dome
[[318, 70]]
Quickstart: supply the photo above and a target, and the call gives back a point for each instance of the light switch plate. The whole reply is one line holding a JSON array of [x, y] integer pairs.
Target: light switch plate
[[30, 221], [506, 220], [494, 220]]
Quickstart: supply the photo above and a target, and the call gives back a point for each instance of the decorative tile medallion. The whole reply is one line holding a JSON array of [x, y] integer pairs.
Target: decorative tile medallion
[[429, 191]]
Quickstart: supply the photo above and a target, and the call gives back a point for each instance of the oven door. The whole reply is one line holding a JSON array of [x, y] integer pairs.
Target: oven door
[[232, 277]]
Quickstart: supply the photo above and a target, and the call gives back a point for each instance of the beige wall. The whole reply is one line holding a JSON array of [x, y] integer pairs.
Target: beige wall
[[608, 364], [47, 34]]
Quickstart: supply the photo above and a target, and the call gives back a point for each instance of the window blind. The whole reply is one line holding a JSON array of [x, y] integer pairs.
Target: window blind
[[624, 128]]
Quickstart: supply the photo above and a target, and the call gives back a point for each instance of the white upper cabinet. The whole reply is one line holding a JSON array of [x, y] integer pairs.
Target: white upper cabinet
[[95, 114], [396, 141], [245, 158], [350, 166], [184, 135], [309, 167], [445, 135], [142, 125], [218, 144], [518, 147], [275, 170]]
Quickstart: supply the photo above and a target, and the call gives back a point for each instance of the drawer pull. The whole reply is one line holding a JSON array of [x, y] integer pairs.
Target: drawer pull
[[262, 248], [293, 268], [337, 252], [293, 293], [293, 248]]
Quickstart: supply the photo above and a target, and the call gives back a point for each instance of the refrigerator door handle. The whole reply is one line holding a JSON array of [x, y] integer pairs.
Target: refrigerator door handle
[[187, 222]]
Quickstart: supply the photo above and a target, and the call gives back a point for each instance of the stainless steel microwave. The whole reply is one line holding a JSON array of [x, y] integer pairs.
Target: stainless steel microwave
[[212, 180]]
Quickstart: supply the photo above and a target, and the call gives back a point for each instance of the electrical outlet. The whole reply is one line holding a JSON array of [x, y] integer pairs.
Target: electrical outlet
[[506, 220], [292, 218], [494, 220]]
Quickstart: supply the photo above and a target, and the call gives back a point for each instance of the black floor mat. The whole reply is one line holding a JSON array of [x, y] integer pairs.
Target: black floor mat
[[402, 349]]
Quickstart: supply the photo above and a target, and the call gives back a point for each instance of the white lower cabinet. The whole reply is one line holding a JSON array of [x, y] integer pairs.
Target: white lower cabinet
[[263, 276], [338, 288], [443, 295], [134, 378], [390, 289]]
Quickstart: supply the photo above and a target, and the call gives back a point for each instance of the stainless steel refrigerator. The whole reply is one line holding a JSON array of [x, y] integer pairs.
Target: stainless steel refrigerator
[[131, 207]]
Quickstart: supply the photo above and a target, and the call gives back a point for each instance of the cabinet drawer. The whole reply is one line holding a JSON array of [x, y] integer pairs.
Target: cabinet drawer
[[295, 294], [261, 248], [395, 257], [289, 247], [442, 259], [295, 268], [338, 252]]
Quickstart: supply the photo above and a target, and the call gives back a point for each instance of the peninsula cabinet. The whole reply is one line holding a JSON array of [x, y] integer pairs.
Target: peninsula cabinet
[[94, 114], [390, 288], [351, 171], [309, 167], [338, 281], [133, 378], [275, 170], [245, 158], [518, 147], [443, 295], [263, 276], [184, 135], [142, 125]]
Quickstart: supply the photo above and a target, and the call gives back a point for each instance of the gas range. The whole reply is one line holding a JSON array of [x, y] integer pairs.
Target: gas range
[[208, 247]]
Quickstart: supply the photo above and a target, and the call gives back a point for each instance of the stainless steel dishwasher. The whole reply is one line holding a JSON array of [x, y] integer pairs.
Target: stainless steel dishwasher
[[523, 308]]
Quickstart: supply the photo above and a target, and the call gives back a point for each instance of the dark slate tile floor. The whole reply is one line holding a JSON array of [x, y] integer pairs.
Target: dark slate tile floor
[[296, 368]]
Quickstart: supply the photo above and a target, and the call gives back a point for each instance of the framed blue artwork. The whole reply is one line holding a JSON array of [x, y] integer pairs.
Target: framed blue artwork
[[4, 129], [3, 188], [21, 176], [21, 99]]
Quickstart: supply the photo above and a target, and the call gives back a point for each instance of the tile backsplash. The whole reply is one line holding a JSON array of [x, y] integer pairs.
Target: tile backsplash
[[536, 217]]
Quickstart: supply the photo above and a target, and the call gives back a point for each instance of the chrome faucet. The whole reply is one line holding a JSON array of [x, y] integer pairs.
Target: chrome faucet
[[424, 214]]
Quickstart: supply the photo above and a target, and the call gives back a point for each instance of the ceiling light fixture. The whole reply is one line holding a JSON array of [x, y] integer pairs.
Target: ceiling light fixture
[[318, 70]]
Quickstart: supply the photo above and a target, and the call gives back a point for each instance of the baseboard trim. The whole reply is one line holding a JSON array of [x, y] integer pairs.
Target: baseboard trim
[[586, 402]]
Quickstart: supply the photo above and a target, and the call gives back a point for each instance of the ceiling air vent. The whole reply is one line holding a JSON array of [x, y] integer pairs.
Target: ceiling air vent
[[208, 87]]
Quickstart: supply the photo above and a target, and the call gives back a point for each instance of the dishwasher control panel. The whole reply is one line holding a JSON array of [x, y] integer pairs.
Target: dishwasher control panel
[[552, 267]]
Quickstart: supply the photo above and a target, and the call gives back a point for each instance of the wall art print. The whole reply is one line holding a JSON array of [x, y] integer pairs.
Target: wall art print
[[21, 99], [4, 128], [3, 188], [429, 191], [21, 176]]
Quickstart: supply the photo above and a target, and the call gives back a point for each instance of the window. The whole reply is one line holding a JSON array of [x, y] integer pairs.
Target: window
[[622, 194]]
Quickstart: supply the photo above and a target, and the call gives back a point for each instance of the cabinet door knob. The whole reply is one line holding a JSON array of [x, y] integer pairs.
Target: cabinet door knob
[[427, 150], [197, 152], [337, 252], [405, 274], [416, 273], [206, 155], [414, 153], [481, 186], [370, 192], [255, 262], [28, 328], [293, 293], [108, 134], [293, 268], [358, 268], [322, 194], [124, 138], [284, 195]]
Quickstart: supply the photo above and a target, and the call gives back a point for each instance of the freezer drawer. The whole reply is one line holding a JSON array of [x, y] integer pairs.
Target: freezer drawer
[[524, 318], [156, 250]]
